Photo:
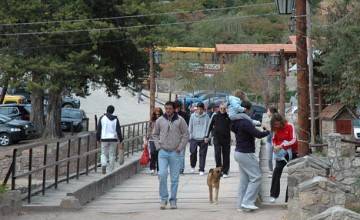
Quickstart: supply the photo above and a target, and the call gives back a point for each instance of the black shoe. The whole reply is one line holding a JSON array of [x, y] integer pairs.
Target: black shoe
[[103, 169]]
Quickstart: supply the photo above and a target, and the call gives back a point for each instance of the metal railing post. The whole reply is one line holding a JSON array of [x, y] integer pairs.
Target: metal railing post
[[78, 159], [30, 176], [44, 171], [68, 163], [13, 176], [57, 165]]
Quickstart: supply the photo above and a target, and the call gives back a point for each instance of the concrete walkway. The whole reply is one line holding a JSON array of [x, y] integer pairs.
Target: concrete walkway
[[137, 198]]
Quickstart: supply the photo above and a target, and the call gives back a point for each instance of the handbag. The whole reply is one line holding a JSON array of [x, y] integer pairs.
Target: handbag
[[145, 157]]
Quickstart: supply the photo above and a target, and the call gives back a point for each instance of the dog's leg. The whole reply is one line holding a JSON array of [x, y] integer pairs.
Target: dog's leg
[[216, 194], [210, 194]]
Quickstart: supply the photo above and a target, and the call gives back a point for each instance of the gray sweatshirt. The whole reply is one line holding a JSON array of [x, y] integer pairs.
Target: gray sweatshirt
[[198, 126], [170, 133]]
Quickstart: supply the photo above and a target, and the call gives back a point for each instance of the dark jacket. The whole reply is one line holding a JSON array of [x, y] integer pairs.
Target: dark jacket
[[220, 126], [108, 129], [185, 116], [245, 133]]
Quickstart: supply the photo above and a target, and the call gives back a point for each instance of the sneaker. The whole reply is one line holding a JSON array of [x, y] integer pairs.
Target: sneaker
[[201, 173], [163, 205], [225, 175], [251, 207], [192, 170], [173, 205], [103, 170], [152, 172], [272, 199]]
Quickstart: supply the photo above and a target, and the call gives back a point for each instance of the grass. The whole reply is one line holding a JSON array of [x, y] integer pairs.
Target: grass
[[3, 189]]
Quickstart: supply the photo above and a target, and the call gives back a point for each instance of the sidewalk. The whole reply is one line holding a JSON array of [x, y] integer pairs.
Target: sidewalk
[[137, 198]]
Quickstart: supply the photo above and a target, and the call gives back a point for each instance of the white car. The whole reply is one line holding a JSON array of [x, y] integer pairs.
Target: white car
[[356, 128]]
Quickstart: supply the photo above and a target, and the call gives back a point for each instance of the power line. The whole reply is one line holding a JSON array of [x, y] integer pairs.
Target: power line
[[135, 16], [63, 45], [136, 26]]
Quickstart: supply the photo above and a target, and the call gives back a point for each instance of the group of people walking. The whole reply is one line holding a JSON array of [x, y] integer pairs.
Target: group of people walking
[[171, 131]]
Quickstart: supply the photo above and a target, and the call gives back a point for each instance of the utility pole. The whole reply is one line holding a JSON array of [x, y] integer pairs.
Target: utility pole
[[311, 72], [152, 80], [282, 83], [302, 78]]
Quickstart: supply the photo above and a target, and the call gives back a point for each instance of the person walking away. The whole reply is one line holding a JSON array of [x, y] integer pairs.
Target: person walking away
[[249, 169], [170, 136], [154, 165], [180, 109], [219, 128], [139, 94], [235, 109], [108, 134], [269, 146], [285, 148], [198, 125]]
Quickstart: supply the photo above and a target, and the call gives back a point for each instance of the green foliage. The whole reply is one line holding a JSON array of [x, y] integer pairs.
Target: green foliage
[[338, 67], [3, 188]]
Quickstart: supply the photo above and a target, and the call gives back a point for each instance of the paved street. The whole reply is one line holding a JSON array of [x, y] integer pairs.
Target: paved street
[[137, 198]]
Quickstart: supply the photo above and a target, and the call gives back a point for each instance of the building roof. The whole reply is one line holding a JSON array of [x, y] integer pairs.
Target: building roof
[[255, 48], [189, 49], [289, 48], [332, 111]]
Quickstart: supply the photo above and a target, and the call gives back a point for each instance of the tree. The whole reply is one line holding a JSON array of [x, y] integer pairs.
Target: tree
[[338, 68]]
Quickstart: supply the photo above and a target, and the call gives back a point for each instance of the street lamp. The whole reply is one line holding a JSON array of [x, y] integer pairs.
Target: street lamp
[[285, 6]]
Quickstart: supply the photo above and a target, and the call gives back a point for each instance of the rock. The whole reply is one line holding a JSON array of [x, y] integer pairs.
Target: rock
[[70, 202], [336, 213]]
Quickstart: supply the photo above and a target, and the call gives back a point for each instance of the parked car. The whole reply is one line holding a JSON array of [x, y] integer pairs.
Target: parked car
[[12, 131], [73, 119], [70, 102], [14, 99], [356, 128], [15, 111], [257, 112], [67, 101]]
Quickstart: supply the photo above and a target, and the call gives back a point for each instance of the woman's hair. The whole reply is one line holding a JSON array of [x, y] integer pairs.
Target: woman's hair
[[154, 116], [273, 110], [277, 118], [240, 94]]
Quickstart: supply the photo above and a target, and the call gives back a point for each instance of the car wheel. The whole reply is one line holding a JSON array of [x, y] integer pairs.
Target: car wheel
[[68, 105], [5, 139]]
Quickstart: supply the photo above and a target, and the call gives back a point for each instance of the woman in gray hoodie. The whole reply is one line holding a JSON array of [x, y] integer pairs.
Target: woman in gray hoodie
[[199, 122]]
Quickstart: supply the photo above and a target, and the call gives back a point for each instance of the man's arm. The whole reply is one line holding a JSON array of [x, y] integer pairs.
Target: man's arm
[[184, 135], [190, 126], [98, 130], [118, 131], [211, 125], [156, 134], [250, 128]]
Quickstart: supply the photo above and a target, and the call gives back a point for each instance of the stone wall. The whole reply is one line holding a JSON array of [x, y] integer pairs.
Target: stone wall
[[10, 203], [318, 183]]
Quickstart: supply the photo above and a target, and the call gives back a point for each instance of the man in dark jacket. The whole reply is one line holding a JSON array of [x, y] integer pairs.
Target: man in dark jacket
[[220, 129], [109, 134], [249, 169], [186, 116]]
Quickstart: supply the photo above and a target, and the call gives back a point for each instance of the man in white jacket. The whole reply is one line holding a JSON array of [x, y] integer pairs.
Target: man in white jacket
[[109, 134]]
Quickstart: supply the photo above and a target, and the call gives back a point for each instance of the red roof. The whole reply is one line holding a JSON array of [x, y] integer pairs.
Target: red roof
[[255, 48], [289, 48]]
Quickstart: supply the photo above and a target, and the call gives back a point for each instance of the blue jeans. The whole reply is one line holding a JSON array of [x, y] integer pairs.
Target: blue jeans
[[182, 166], [172, 160]]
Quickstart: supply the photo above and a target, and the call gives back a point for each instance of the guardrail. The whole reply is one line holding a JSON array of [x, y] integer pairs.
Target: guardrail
[[133, 139]]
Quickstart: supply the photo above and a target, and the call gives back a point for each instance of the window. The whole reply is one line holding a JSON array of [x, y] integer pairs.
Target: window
[[343, 126]]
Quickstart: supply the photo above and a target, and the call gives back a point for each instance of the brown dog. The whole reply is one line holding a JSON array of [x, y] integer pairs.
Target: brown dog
[[213, 181]]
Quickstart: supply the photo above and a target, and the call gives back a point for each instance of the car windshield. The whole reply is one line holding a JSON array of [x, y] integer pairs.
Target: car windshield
[[356, 123], [70, 114], [4, 119]]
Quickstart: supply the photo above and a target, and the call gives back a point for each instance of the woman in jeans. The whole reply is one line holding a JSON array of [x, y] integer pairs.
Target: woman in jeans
[[269, 146], [158, 112], [285, 148]]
